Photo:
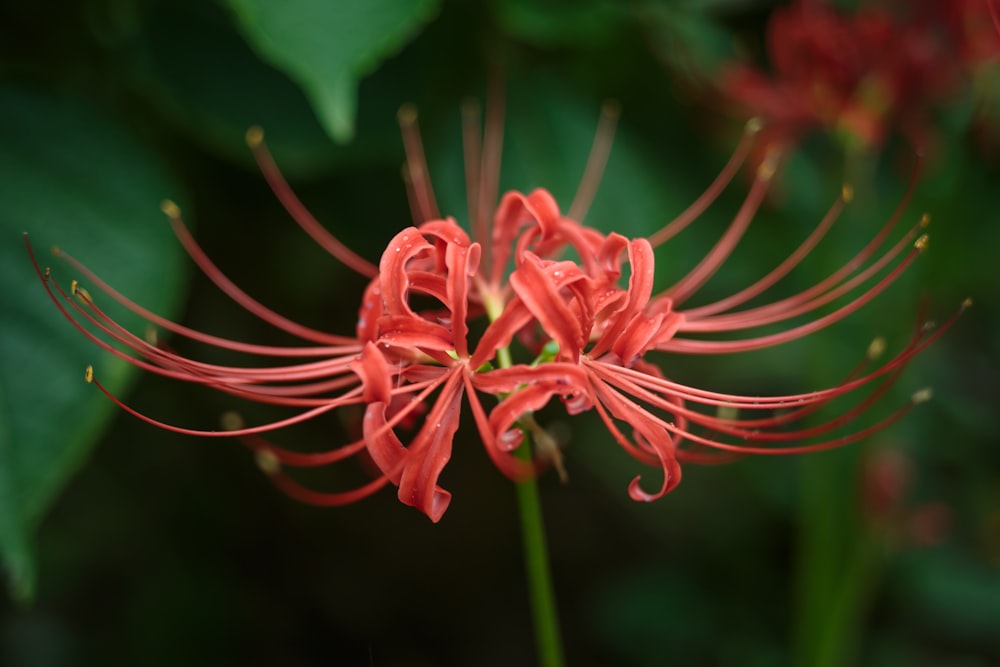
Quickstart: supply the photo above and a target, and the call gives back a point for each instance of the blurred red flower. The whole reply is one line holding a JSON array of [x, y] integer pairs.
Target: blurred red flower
[[881, 69]]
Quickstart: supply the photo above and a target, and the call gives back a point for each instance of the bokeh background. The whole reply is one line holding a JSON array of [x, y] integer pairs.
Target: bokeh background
[[126, 545]]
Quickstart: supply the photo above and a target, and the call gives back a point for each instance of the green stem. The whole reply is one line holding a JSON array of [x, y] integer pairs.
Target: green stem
[[548, 638], [536, 559]]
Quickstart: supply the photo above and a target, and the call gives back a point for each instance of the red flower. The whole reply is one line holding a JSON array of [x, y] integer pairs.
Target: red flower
[[572, 329], [862, 74]]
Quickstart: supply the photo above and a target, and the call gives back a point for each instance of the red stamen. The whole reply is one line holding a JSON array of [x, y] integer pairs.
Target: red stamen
[[244, 300], [705, 269], [192, 334], [701, 204], [596, 161], [298, 212], [472, 150], [423, 201]]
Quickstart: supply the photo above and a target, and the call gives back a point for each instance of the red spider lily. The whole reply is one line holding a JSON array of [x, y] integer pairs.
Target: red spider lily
[[583, 331], [862, 74]]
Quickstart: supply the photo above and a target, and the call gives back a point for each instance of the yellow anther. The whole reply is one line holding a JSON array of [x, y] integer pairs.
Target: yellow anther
[[254, 136], [151, 336], [921, 243], [611, 109], [922, 395], [231, 420], [967, 303], [267, 461], [47, 272], [170, 209], [88, 374], [925, 220], [73, 287], [727, 412], [847, 193], [57, 251], [754, 125], [407, 115], [80, 292], [767, 168], [876, 348]]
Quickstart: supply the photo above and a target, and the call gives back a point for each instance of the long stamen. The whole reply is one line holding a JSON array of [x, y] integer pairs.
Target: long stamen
[[807, 300], [416, 166], [212, 272], [472, 150], [596, 161], [187, 332], [705, 269], [743, 345], [782, 269], [707, 397], [352, 398], [489, 171], [298, 212], [713, 191], [760, 429], [324, 368]]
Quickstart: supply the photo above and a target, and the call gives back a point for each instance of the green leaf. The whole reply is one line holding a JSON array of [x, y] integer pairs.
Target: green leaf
[[69, 175], [216, 87], [687, 37], [562, 23], [327, 47]]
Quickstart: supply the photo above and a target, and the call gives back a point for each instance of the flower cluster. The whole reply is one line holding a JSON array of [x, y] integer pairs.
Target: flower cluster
[[560, 313], [882, 68]]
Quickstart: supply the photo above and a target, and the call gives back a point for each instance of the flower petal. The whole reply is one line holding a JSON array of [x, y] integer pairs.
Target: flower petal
[[533, 284]]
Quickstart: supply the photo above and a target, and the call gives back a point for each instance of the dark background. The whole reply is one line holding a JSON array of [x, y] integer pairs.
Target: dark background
[[166, 550]]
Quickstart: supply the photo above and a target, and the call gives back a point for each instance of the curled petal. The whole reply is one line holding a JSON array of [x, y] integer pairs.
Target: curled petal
[[609, 256], [653, 437], [375, 374], [501, 332], [385, 448], [413, 331], [446, 231], [640, 288], [516, 469], [429, 283], [531, 282], [393, 278], [507, 380], [415, 469], [430, 452], [515, 212], [529, 399], [370, 312], [637, 337], [462, 262]]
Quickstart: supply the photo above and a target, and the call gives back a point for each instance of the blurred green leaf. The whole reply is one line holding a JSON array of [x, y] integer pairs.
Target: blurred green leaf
[[68, 175], [216, 87], [949, 595], [686, 37], [562, 22], [328, 47]]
